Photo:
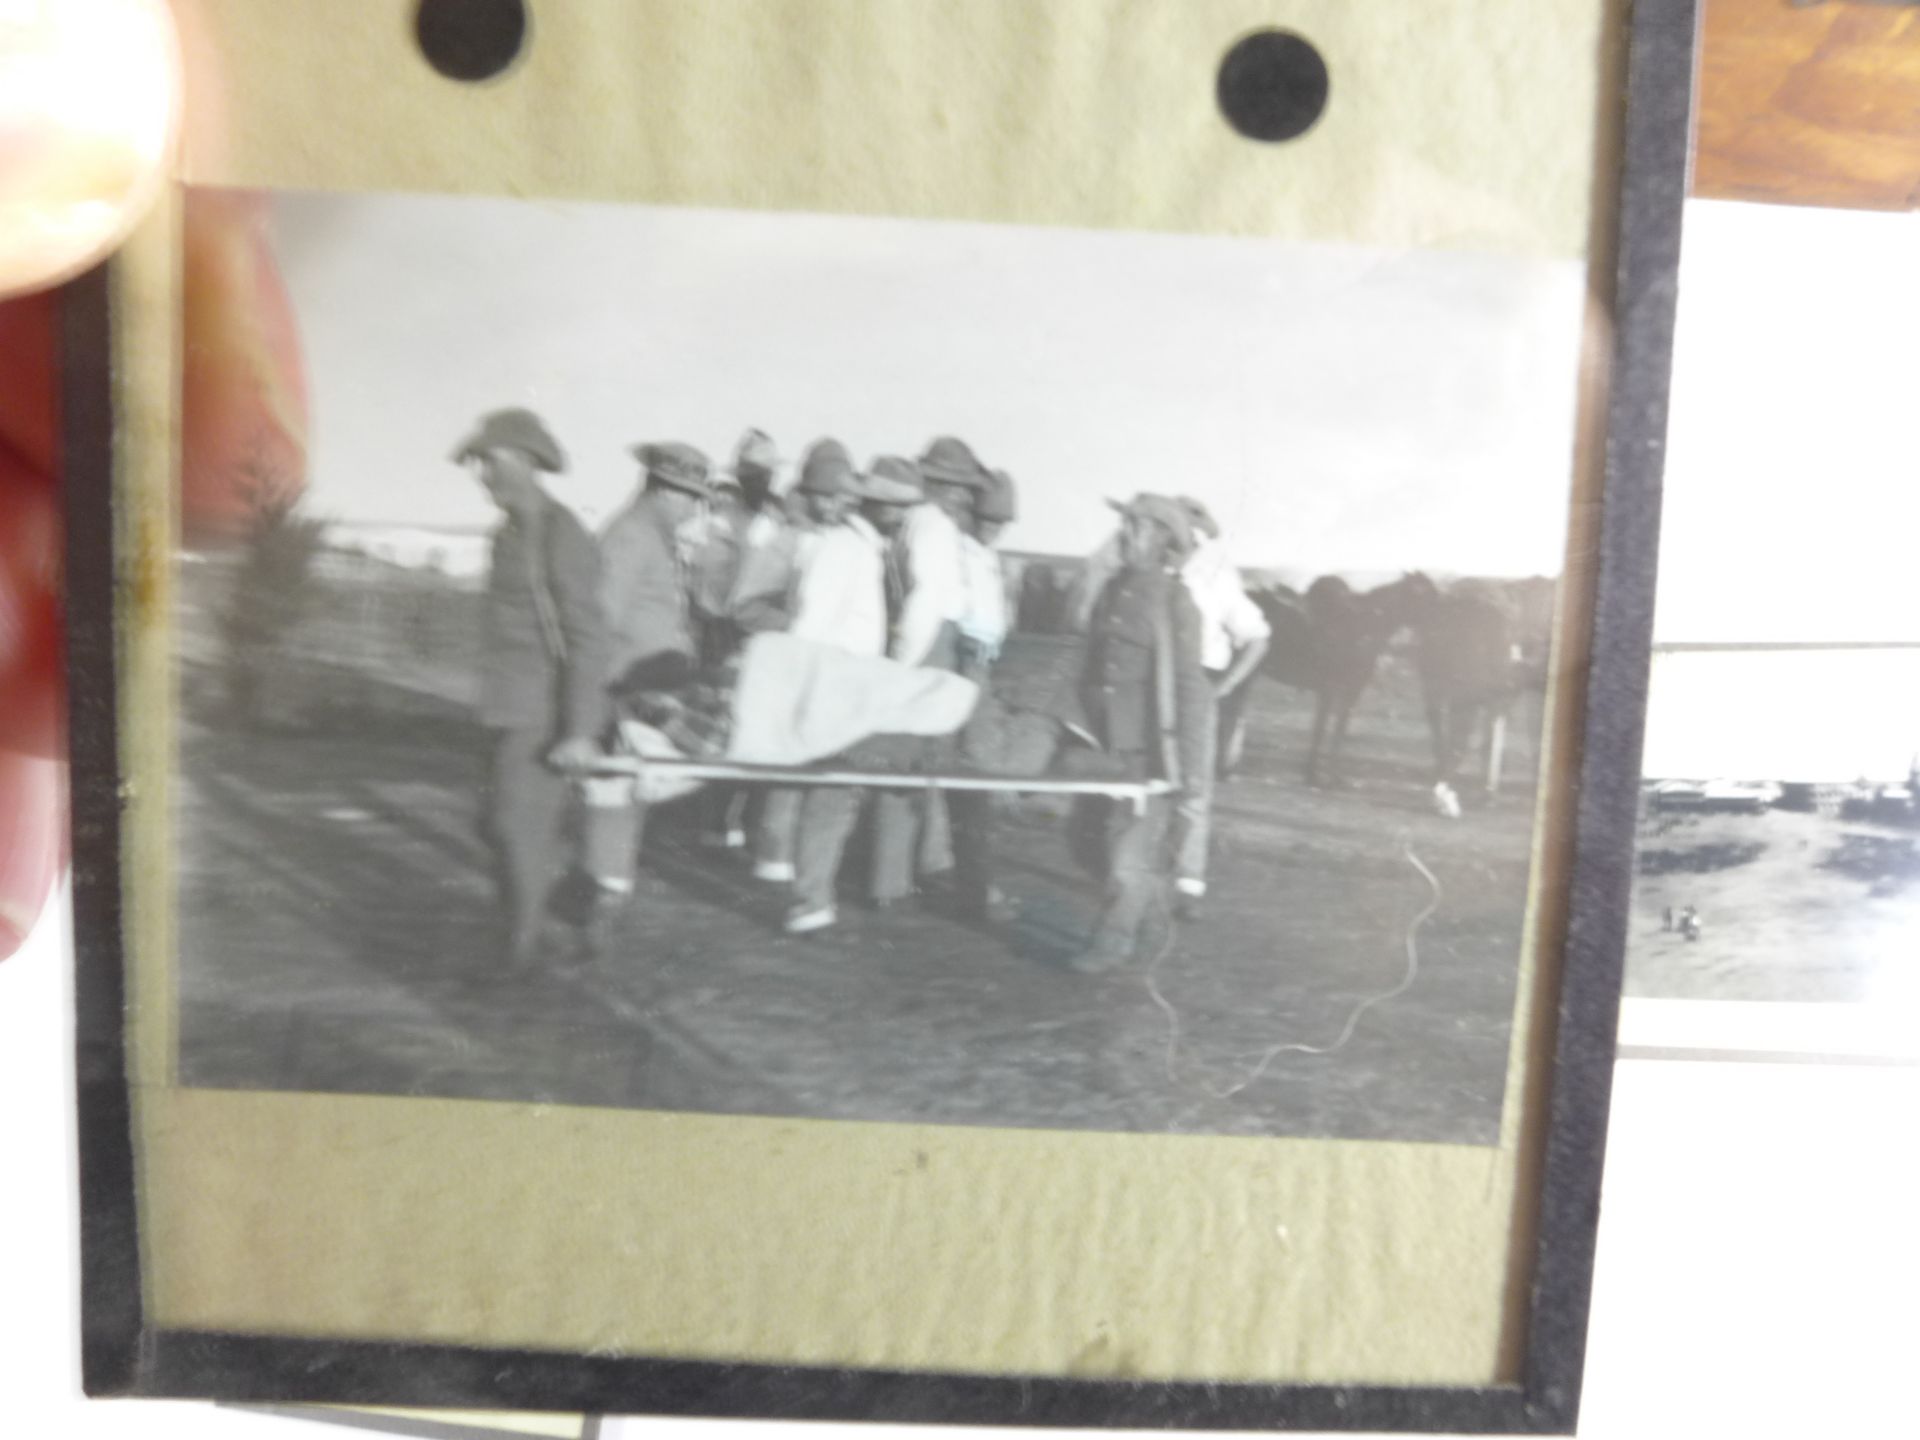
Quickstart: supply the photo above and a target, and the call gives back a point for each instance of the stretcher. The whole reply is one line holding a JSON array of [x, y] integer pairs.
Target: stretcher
[[1136, 792]]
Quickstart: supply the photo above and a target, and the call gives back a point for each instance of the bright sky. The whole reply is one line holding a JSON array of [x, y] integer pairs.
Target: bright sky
[[1792, 507], [1830, 716], [1340, 409]]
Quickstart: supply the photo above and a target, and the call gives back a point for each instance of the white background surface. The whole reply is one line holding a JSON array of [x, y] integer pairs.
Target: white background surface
[[1758, 1273], [1791, 511]]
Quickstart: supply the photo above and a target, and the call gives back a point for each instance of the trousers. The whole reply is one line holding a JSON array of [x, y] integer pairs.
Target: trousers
[[1232, 734], [1195, 805], [825, 817], [928, 833], [1136, 906], [774, 839], [727, 809], [614, 823], [523, 806], [936, 831]]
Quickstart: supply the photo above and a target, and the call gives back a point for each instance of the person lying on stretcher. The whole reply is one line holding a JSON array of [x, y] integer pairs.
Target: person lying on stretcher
[[788, 702]]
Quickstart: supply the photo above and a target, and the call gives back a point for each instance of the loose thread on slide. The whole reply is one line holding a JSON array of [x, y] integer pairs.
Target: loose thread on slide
[[1273, 1052]]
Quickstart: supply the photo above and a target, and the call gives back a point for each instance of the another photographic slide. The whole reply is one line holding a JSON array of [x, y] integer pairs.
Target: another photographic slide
[[1779, 857]]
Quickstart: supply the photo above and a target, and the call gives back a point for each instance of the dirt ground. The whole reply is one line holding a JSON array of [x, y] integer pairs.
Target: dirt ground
[[335, 924], [1793, 906]]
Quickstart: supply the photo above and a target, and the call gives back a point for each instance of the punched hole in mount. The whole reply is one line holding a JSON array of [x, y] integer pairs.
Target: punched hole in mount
[[1272, 86], [471, 40]]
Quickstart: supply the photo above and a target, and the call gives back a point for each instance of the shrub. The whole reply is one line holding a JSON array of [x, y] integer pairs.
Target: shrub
[[273, 584]]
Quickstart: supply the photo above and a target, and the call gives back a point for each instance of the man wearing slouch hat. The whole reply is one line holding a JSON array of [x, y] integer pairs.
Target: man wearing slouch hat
[[643, 593], [769, 539], [1146, 693], [837, 596], [968, 817], [1233, 640], [929, 602], [543, 665], [853, 560]]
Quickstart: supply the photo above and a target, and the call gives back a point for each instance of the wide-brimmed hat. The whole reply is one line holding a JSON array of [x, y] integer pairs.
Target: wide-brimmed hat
[[997, 502], [893, 480], [1201, 517], [674, 463], [755, 452], [948, 461], [827, 469], [1164, 511], [513, 429]]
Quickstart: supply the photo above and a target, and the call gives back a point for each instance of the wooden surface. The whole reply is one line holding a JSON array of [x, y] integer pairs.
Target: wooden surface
[[1813, 104]]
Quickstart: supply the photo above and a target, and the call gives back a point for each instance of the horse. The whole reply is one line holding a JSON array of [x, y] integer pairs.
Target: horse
[[1330, 641], [1474, 651]]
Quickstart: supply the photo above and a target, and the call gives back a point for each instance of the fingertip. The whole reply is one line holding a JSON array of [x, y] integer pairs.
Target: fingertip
[[89, 105], [32, 842], [29, 367], [31, 644]]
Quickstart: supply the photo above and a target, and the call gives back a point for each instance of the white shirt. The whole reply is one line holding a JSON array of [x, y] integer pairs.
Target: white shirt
[[840, 587], [984, 621], [930, 553], [767, 525], [1229, 620]]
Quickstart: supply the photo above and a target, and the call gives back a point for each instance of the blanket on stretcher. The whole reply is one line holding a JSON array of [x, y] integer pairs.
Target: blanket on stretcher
[[791, 703], [797, 702]]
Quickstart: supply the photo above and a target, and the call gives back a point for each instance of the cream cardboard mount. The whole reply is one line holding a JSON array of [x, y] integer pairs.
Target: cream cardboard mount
[[271, 1246]]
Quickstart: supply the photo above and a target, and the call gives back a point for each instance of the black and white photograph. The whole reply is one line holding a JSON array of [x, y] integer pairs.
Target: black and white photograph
[[1779, 853], [886, 670]]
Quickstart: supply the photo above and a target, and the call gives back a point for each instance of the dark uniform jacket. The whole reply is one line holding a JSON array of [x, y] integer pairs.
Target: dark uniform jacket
[[1143, 688], [543, 662], [643, 593]]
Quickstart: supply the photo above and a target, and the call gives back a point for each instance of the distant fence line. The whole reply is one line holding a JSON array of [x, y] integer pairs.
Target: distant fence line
[[417, 630]]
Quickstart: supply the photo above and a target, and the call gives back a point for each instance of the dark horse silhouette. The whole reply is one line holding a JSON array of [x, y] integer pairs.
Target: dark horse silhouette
[[1330, 641], [1478, 646]]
